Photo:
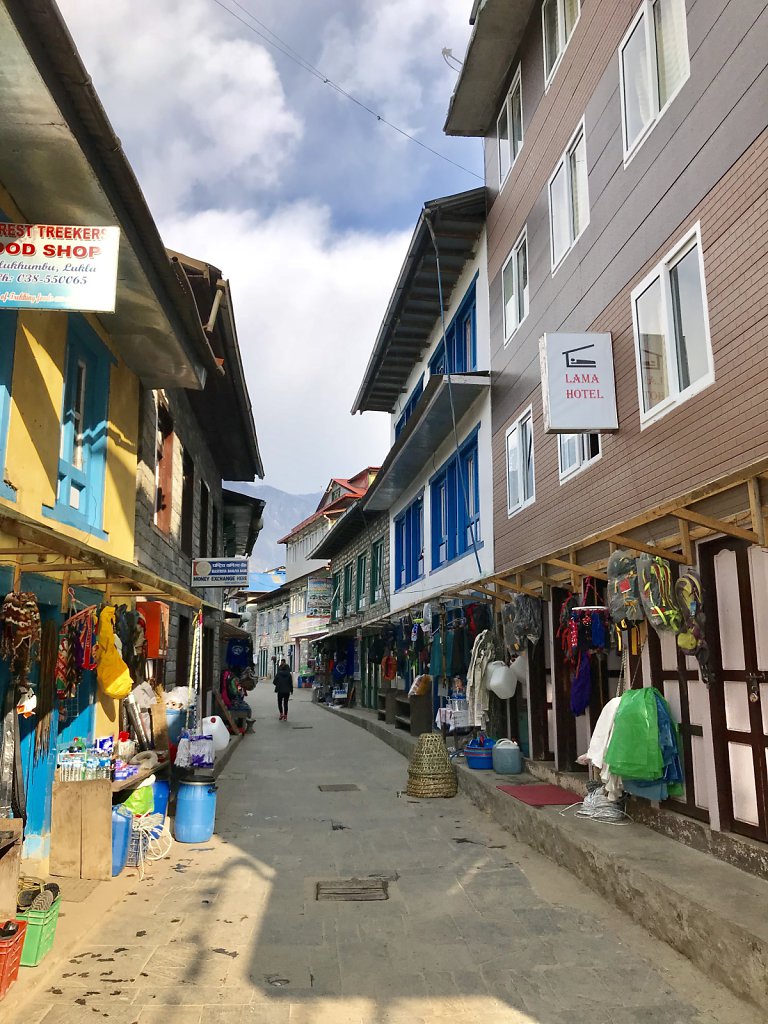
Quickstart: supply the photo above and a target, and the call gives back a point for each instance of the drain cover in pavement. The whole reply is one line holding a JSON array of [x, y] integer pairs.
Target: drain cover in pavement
[[354, 889], [339, 787]]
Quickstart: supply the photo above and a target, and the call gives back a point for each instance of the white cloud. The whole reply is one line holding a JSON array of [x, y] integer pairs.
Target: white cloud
[[308, 305], [199, 108], [302, 200]]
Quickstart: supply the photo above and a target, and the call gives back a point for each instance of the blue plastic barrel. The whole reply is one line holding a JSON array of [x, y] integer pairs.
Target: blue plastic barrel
[[121, 838], [195, 812], [162, 792]]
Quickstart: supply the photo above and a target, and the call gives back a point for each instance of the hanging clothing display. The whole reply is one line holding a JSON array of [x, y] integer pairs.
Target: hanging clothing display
[[483, 653], [239, 652], [644, 748]]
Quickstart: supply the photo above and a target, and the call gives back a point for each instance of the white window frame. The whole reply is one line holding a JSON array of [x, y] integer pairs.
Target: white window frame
[[565, 162], [646, 11], [516, 86], [562, 41], [509, 332], [531, 498], [584, 459], [676, 396]]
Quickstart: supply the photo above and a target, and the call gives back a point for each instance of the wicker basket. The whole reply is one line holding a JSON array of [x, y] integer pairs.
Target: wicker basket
[[430, 772], [432, 786], [430, 756]]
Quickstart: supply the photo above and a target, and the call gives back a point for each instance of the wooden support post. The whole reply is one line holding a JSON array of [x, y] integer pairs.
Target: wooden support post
[[756, 510], [685, 540], [546, 590], [716, 525], [636, 545], [575, 579], [17, 574]]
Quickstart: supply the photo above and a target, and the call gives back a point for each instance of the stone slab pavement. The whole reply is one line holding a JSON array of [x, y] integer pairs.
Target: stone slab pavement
[[477, 927]]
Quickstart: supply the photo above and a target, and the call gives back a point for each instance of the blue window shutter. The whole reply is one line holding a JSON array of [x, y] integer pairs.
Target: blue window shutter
[[8, 325], [86, 383]]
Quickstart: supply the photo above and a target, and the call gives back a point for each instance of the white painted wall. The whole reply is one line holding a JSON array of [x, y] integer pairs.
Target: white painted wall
[[296, 562], [464, 569]]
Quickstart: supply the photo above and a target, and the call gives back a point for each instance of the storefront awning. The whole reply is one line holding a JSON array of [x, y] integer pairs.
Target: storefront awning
[[428, 427], [42, 550]]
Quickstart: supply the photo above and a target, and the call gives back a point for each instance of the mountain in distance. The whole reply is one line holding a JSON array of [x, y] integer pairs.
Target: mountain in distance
[[282, 512]]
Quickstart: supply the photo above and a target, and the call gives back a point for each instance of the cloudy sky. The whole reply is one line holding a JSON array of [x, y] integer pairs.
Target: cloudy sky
[[304, 201]]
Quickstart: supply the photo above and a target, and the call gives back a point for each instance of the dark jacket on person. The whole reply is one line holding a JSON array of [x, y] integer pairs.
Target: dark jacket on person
[[283, 681]]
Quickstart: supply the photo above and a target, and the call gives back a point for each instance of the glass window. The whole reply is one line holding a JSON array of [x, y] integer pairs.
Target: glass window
[[509, 128], [362, 588], [576, 451], [348, 588], [336, 597], [409, 544], [569, 198], [514, 284], [674, 351], [455, 504], [520, 469], [559, 19], [653, 64], [377, 571]]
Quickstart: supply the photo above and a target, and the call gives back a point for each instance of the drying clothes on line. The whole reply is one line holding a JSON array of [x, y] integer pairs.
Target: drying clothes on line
[[483, 653]]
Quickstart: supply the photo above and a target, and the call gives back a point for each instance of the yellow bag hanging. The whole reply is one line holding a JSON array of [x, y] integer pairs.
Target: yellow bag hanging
[[112, 673]]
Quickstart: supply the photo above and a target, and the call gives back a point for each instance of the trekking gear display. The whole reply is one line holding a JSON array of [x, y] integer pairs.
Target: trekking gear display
[[691, 640], [657, 593]]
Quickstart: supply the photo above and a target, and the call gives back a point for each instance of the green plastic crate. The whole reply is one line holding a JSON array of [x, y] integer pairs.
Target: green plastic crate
[[41, 931]]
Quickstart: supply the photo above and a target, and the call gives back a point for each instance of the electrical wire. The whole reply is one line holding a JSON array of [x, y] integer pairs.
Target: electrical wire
[[447, 374], [272, 39]]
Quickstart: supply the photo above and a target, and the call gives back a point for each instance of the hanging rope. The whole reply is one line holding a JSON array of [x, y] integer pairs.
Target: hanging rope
[[195, 672]]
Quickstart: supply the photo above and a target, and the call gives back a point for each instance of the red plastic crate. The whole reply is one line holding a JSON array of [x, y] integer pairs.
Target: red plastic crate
[[10, 958]]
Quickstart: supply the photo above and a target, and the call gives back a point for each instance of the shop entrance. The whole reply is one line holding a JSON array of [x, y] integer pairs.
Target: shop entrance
[[736, 573]]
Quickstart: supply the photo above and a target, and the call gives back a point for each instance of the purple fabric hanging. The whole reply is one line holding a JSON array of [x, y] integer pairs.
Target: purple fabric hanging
[[581, 687]]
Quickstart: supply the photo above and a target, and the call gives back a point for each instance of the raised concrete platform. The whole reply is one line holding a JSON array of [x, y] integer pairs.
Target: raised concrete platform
[[713, 913]]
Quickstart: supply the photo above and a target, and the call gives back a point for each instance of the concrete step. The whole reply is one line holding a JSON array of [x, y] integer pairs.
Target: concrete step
[[711, 912]]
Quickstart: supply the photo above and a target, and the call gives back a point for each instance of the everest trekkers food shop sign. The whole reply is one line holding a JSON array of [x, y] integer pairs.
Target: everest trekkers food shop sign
[[577, 382], [220, 572], [58, 266]]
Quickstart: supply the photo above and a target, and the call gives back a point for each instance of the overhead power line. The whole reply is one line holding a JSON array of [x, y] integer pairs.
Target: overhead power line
[[272, 39]]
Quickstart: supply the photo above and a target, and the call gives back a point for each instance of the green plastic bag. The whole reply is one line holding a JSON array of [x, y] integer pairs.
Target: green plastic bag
[[141, 800], [633, 751]]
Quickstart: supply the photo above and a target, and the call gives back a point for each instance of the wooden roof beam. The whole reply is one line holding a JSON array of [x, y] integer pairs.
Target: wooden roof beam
[[636, 545], [717, 525], [578, 570]]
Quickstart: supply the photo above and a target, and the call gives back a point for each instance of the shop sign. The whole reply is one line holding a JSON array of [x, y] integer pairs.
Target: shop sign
[[58, 266], [219, 572], [577, 383], [319, 593]]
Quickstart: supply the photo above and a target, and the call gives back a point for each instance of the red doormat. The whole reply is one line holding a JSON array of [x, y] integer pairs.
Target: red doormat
[[541, 796]]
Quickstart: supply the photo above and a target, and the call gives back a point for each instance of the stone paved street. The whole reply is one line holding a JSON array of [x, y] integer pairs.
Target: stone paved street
[[477, 927]]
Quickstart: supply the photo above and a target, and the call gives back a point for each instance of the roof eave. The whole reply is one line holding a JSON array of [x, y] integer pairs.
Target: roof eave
[[499, 26]]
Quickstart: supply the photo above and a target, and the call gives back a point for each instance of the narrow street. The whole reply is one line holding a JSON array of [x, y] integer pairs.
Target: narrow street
[[476, 927]]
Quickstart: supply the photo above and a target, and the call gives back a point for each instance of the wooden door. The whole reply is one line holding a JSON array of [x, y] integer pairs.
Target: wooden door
[[735, 576]]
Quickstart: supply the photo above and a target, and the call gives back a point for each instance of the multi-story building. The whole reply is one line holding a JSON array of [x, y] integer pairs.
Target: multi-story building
[[357, 548], [71, 379], [307, 576], [429, 370], [625, 151], [190, 442]]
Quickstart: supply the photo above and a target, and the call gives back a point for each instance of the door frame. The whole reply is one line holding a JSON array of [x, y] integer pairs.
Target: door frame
[[721, 733]]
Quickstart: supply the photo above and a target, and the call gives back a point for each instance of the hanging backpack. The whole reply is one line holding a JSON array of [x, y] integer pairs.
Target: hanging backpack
[[657, 593], [623, 591]]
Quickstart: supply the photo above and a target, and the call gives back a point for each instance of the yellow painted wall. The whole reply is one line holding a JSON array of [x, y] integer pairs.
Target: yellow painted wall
[[35, 423]]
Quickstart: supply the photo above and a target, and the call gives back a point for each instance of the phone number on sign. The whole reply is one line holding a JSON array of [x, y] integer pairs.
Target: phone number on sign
[[51, 279]]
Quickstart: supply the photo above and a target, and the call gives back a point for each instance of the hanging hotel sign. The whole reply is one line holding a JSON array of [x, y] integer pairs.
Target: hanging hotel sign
[[58, 266], [577, 383], [219, 572]]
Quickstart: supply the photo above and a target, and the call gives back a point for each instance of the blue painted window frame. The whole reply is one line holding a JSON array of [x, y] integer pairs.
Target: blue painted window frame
[[455, 336], [409, 544], [410, 406], [8, 327], [452, 527], [86, 351]]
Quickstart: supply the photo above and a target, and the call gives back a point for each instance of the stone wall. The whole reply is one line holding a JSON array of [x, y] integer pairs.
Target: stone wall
[[376, 528]]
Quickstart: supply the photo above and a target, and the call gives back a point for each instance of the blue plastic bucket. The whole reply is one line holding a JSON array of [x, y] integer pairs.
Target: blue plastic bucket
[[121, 838], [195, 812], [479, 756], [162, 792], [175, 718]]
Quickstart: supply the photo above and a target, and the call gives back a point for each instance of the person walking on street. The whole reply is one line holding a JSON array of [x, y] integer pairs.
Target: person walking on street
[[283, 688]]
